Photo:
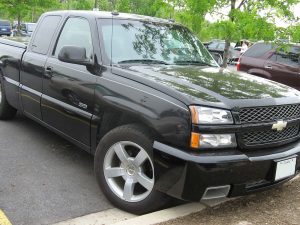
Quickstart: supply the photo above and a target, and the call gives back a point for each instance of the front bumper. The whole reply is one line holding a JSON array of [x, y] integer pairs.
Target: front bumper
[[187, 175]]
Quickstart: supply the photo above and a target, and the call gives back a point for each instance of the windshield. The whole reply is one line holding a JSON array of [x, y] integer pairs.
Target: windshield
[[131, 41], [4, 23]]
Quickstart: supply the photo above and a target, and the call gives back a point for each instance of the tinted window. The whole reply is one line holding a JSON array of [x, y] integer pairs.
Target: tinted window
[[76, 32], [273, 57], [44, 34], [288, 58], [258, 50], [106, 28], [4, 23]]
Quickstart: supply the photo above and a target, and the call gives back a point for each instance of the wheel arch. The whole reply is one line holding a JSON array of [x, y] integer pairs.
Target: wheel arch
[[112, 120], [120, 101]]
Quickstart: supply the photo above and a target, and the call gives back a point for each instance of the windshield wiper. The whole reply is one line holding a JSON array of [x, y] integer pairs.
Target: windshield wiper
[[193, 62], [149, 61]]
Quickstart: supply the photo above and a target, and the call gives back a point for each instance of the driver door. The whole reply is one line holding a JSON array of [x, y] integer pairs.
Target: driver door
[[68, 89]]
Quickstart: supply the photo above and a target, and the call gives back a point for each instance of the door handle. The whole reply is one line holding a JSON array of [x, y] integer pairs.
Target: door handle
[[268, 67], [49, 71]]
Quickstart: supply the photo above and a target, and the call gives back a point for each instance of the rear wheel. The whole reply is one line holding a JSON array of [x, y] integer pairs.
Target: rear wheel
[[6, 111], [125, 170]]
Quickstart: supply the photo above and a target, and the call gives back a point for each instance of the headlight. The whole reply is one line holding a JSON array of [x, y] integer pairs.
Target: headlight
[[213, 140], [206, 115], [217, 140], [211, 116]]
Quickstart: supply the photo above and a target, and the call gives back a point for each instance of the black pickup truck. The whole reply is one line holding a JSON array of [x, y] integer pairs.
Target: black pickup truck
[[149, 102]]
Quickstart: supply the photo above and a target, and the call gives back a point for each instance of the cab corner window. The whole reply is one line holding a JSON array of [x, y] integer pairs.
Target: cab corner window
[[41, 41]]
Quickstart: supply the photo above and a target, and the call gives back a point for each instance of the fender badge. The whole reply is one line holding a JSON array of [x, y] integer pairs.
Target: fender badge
[[279, 125]]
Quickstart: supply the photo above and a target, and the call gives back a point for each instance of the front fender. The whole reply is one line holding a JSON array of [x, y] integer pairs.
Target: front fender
[[120, 101]]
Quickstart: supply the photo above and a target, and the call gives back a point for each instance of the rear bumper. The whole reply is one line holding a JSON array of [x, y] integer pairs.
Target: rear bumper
[[187, 176]]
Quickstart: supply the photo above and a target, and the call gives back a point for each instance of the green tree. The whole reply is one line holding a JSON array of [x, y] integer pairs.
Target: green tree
[[248, 18], [29, 9], [294, 32], [77, 4]]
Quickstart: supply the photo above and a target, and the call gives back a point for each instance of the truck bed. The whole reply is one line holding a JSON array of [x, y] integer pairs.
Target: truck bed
[[18, 42], [11, 53]]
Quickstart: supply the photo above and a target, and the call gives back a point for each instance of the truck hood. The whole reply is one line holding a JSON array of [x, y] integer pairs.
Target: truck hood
[[213, 86]]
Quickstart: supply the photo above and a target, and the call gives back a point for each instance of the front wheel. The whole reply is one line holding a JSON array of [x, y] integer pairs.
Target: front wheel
[[6, 110], [125, 170]]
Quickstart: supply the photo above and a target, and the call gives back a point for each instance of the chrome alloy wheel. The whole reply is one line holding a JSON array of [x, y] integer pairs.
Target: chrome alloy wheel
[[128, 171]]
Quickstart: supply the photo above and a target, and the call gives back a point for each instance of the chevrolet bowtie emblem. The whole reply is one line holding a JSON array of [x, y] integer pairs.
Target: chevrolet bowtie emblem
[[279, 125]]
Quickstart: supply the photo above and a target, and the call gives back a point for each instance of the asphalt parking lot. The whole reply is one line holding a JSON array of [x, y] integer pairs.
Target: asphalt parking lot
[[43, 178]]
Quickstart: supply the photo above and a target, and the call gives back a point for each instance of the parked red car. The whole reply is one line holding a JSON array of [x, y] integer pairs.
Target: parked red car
[[271, 62]]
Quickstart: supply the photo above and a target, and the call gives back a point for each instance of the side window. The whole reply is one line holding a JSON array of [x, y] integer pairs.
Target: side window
[[44, 34], [258, 50], [273, 57], [105, 32], [289, 58], [76, 32]]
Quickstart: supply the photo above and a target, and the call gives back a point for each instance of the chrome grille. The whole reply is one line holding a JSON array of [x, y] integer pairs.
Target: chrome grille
[[269, 136], [267, 114]]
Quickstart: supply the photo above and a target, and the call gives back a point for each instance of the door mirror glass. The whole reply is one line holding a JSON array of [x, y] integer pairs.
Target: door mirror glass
[[74, 54]]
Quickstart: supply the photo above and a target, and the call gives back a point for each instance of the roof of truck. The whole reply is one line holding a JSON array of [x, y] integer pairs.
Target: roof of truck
[[105, 14]]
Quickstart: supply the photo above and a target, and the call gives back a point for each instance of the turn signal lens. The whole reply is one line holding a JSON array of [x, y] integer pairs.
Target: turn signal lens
[[195, 140]]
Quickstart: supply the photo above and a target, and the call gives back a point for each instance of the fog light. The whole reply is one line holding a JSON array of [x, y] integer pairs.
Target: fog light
[[217, 141]]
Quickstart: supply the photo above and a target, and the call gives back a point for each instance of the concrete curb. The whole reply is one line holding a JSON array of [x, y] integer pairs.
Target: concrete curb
[[105, 217], [118, 217], [164, 215]]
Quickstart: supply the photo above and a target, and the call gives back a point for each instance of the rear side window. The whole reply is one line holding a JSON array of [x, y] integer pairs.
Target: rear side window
[[44, 34], [258, 50], [4, 23], [76, 32]]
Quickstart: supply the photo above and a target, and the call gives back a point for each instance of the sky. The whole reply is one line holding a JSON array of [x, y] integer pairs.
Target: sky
[[279, 23], [296, 13]]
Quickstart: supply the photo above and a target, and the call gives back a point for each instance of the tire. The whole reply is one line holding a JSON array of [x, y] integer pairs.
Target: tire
[[7, 112], [136, 198]]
